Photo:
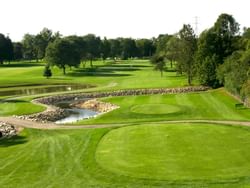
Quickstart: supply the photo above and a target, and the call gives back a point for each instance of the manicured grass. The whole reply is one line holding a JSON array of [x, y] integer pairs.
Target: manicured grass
[[177, 152], [106, 76], [19, 107], [214, 105], [67, 158]]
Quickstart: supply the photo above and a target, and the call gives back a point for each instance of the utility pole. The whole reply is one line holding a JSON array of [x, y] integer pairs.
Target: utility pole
[[196, 25]]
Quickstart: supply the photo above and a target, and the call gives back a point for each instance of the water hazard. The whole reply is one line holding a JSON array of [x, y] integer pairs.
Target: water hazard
[[77, 114], [41, 90]]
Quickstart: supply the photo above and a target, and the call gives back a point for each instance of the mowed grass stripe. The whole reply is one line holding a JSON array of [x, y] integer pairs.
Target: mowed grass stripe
[[177, 152], [60, 169]]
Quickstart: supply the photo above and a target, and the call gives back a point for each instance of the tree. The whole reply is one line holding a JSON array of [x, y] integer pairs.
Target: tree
[[245, 92], [172, 49], [186, 52], [115, 48], [28, 47], [17, 51], [93, 47], [145, 48], [6, 49], [161, 44], [216, 44], [47, 72], [234, 72], [41, 42], [62, 53], [128, 47], [105, 48], [207, 59], [159, 63]]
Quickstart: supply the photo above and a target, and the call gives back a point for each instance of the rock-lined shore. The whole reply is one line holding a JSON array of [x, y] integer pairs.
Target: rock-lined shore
[[80, 96], [54, 113], [7, 131], [51, 115], [96, 105]]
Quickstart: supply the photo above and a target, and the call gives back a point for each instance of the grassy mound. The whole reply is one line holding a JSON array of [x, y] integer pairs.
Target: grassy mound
[[68, 158], [177, 152], [155, 109]]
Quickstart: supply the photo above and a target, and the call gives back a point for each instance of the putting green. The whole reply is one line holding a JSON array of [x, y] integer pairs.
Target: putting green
[[177, 152], [155, 109]]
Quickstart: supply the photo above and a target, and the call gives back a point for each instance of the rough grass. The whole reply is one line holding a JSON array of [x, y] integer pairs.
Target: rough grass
[[67, 158], [213, 105]]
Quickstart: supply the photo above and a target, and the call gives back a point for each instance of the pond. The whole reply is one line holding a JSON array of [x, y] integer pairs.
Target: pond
[[77, 114], [41, 90]]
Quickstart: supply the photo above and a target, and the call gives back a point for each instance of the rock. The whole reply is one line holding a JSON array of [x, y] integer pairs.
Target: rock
[[96, 105], [54, 113], [7, 130]]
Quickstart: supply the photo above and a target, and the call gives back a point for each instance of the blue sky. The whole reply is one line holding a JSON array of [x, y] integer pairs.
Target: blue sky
[[115, 18]]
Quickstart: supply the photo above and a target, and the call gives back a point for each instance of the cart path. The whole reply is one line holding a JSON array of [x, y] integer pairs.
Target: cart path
[[20, 123]]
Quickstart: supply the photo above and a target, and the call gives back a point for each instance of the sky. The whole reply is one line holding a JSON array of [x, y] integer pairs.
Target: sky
[[115, 18]]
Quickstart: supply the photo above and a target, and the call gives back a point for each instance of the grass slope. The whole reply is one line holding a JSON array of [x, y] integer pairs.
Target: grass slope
[[67, 158], [19, 107], [214, 105], [177, 152]]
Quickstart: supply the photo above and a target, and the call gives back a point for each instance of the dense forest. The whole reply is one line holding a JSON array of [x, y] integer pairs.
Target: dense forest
[[219, 56]]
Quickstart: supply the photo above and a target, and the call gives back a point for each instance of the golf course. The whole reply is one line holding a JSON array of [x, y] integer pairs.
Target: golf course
[[190, 139]]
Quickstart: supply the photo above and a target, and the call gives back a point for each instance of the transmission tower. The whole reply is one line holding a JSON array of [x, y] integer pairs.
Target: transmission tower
[[196, 23]]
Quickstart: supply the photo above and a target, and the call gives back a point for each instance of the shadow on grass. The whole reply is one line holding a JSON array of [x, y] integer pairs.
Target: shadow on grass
[[170, 70], [12, 101], [54, 79], [101, 74], [95, 71], [16, 140], [130, 65], [20, 65], [110, 68]]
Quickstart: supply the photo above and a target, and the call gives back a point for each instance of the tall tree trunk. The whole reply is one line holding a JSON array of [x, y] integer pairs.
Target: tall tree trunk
[[91, 64], [64, 70], [171, 64], [189, 78]]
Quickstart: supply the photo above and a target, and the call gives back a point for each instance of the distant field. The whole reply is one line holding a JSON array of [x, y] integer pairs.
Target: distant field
[[214, 105], [106, 76]]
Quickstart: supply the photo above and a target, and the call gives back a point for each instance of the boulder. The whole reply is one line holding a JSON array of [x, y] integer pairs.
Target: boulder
[[7, 130]]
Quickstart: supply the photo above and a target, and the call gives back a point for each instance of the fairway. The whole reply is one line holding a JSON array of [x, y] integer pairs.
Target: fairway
[[211, 105], [166, 155], [106, 75], [177, 152]]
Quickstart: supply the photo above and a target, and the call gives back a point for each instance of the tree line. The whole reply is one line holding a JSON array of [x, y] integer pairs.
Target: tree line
[[220, 56], [88, 47]]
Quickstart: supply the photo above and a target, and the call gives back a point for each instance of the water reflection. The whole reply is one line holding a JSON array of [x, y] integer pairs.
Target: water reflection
[[76, 115], [49, 89]]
